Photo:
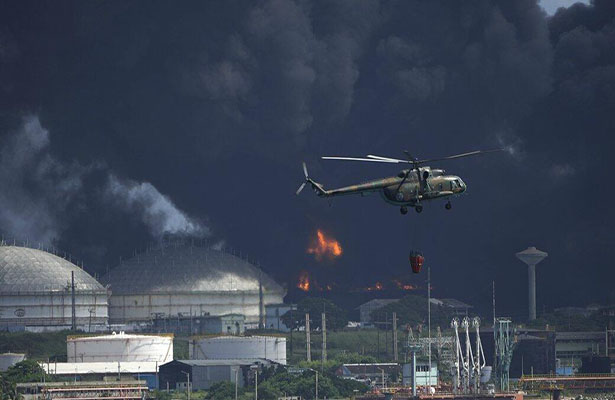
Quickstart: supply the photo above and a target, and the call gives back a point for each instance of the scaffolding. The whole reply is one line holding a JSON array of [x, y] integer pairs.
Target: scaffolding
[[504, 340]]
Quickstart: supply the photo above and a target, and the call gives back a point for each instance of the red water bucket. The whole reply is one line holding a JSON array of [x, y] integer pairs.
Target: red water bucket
[[416, 261]]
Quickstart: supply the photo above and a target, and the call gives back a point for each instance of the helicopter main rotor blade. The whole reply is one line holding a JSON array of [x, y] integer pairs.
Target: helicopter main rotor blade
[[386, 158], [301, 188], [471, 153], [382, 160]]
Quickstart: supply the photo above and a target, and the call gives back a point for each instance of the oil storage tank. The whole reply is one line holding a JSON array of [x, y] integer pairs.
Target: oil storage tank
[[181, 280], [36, 292], [120, 348], [272, 348]]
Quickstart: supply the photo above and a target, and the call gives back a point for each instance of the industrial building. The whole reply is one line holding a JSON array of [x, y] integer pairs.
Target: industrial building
[[572, 347], [105, 371], [271, 348], [534, 350], [201, 374], [39, 291], [370, 373], [274, 314], [424, 377], [185, 281], [366, 309], [120, 348]]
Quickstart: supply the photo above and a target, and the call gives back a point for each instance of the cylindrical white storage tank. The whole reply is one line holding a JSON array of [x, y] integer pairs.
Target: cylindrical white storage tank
[[7, 360], [120, 348], [36, 292], [239, 347]]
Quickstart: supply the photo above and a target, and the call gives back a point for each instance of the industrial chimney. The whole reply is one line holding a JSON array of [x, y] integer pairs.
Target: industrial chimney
[[531, 257]]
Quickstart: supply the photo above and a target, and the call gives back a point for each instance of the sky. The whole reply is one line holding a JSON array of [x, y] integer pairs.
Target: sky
[[122, 123]]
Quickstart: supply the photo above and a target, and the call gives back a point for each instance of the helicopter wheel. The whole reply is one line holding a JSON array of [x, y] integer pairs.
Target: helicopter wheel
[[418, 208], [448, 205], [403, 210]]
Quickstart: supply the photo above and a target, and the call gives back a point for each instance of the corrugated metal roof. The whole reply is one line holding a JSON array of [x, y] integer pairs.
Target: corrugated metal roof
[[30, 270], [182, 268], [128, 367], [241, 361]]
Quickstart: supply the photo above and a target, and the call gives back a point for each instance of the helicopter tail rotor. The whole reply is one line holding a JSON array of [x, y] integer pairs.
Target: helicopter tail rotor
[[315, 185]]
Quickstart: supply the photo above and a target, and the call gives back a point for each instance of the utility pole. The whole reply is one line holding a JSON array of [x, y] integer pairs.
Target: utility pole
[[236, 381], [429, 324], [72, 294], [395, 336], [307, 337], [324, 339], [316, 385]]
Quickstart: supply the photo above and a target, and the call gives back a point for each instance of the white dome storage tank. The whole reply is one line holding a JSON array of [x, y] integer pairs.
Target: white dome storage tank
[[35, 292], [239, 347], [178, 279], [120, 347]]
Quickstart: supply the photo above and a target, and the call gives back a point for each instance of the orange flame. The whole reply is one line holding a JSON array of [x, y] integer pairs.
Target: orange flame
[[304, 281], [325, 247], [403, 286], [377, 286]]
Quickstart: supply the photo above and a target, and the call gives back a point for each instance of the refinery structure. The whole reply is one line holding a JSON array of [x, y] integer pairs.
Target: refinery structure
[[203, 282], [228, 315], [42, 291]]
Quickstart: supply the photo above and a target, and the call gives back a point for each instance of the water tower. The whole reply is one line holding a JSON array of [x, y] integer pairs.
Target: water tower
[[531, 257]]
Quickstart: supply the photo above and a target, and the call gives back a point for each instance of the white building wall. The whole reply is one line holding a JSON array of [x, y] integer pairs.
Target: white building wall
[[232, 347], [53, 309], [133, 308], [120, 348]]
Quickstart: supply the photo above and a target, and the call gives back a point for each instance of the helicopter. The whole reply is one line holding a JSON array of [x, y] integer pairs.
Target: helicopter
[[410, 188]]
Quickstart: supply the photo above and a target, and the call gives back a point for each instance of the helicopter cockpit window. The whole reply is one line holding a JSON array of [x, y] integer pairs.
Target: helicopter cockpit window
[[453, 185]]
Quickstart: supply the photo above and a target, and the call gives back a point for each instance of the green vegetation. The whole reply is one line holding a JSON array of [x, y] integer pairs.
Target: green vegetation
[[25, 371], [336, 317], [412, 310], [52, 345], [562, 321], [38, 346], [276, 382]]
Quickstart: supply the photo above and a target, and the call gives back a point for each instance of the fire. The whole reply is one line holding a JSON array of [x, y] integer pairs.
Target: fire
[[304, 281], [403, 286], [377, 286], [325, 247]]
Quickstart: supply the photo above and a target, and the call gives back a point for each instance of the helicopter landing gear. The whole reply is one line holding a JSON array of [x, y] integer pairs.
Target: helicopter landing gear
[[448, 205], [403, 210], [418, 208]]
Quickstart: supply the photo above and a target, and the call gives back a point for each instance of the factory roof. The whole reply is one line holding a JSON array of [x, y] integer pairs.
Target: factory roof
[[27, 270], [600, 335], [184, 268], [231, 362], [378, 303], [111, 367]]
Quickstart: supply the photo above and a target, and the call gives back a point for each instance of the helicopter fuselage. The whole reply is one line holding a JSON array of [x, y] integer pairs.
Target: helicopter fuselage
[[406, 192]]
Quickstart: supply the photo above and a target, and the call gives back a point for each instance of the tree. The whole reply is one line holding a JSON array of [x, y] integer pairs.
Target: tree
[[25, 371], [336, 317], [412, 310]]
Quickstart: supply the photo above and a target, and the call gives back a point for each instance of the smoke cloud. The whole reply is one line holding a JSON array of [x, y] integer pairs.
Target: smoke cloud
[[156, 210], [210, 108], [41, 192]]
